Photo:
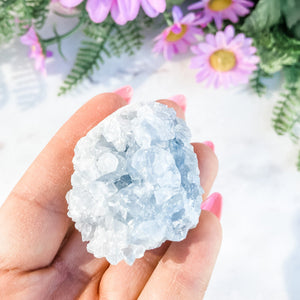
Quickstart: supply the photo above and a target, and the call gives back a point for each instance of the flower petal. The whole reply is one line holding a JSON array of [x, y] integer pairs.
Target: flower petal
[[210, 39], [129, 9], [158, 5], [218, 21], [220, 39], [189, 18], [149, 9], [176, 28], [196, 5], [98, 10], [168, 52], [229, 33], [240, 9], [70, 3], [177, 14], [30, 37]]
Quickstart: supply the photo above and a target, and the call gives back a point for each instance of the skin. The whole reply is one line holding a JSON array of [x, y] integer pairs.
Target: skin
[[42, 255]]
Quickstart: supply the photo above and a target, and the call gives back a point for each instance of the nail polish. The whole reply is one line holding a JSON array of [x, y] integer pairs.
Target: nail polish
[[126, 92], [180, 100], [213, 204], [210, 145]]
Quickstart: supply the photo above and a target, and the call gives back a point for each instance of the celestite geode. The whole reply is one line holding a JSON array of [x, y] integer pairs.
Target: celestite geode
[[136, 183]]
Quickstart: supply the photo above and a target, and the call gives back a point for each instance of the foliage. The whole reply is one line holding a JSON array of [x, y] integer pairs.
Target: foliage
[[256, 82], [266, 14], [290, 10], [274, 26], [287, 112], [106, 39], [6, 25], [17, 15], [276, 49], [174, 2]]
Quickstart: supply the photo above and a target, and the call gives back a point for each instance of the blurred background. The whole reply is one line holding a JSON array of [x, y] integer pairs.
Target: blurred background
[[260, 255]]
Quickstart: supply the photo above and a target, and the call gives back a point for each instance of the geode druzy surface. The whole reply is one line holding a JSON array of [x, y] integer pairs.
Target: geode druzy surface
[[136, 183]]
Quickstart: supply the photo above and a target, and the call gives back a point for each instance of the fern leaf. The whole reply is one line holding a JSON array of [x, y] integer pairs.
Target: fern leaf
[[256, 83], [287, 113], [6, 3], [89, 56], [276, 49], [38, 11], [96, 31], [126, 39], [7, 26]]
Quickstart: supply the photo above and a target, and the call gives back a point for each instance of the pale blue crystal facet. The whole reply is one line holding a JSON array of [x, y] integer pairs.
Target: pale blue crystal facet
[[136, 183]]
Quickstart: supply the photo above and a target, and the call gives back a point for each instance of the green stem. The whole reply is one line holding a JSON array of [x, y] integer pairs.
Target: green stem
[[58, 38], [167, 17]]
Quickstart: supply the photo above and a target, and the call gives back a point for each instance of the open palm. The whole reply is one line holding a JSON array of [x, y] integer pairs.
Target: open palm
[[42, 256]]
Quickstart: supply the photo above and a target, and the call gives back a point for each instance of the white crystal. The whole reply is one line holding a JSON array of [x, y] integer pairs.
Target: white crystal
[[136, 183]]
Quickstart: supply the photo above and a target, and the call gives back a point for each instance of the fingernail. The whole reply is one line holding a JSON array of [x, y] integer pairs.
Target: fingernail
[[210, 145], [126, 92], [213, 204], [180, 100]]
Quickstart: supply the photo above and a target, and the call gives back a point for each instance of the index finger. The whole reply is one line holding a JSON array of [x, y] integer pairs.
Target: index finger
[[33, 219]]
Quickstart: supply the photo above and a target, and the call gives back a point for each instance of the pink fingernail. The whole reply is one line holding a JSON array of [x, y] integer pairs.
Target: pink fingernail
[[213, 204], [210, 145], [180, 100], [126, 92]]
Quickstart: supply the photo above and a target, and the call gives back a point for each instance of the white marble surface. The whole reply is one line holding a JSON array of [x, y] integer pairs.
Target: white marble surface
[[260, 255]]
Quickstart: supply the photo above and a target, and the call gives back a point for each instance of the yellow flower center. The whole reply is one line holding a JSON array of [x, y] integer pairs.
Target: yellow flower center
[[222, 60], [174, 37], [219, 5]]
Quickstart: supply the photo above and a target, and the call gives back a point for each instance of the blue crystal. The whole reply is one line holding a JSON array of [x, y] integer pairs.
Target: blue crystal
[[136, 183]]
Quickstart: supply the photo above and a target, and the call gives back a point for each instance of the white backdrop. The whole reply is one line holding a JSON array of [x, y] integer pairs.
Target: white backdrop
[[260, 255]]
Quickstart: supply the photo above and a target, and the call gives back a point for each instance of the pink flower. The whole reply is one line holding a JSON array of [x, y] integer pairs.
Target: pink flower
[[121, 10], [224, 59], [178, 37], [36, 51], [220, 10]]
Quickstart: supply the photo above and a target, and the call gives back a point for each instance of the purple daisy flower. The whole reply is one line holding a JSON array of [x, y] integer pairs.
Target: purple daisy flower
[[219, 10], [36, 51], [121, 10], [178, 37], [224, 59]]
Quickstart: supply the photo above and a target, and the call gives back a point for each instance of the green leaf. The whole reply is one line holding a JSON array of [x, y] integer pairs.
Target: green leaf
[[292, 74], [88, 58], [276, 49], [170, 3], [256, 83], [38, 11], [296, 30], [266, 14], [291, 12], [7, 26], [108, 39], [287, 112], [126, 39]]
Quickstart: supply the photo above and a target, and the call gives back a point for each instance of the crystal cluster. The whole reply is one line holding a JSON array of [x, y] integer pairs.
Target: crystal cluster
[[136, 183]]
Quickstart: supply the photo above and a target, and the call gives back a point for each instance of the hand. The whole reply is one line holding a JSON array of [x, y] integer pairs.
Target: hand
[[42, 256]]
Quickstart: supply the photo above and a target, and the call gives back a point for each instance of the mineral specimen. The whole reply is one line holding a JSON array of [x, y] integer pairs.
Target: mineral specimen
[[136, 183]]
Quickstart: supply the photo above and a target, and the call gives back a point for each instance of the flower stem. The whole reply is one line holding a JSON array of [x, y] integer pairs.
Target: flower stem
[[57, 38]]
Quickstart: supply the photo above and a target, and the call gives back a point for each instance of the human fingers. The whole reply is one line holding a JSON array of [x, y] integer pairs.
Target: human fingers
[[186, 267], [33, 219], [126, 282]]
